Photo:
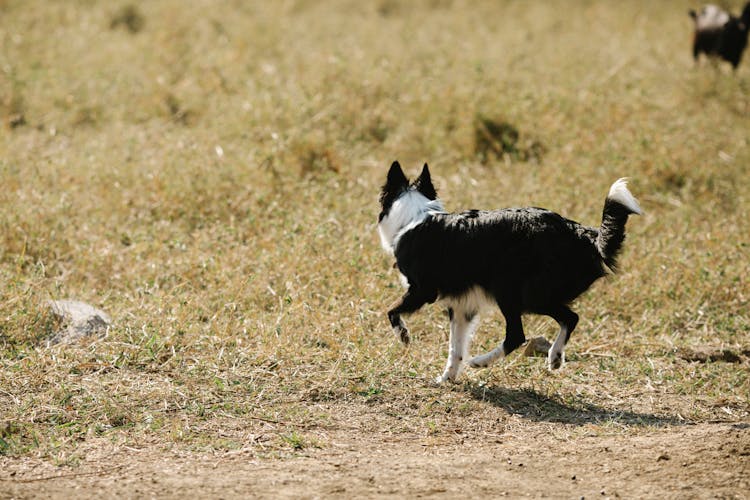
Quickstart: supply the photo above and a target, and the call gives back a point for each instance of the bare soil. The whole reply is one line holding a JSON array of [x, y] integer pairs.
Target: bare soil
[[365, 452]]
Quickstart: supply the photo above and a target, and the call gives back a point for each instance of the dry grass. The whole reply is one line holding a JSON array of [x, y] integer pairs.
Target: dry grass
[[210, 179]]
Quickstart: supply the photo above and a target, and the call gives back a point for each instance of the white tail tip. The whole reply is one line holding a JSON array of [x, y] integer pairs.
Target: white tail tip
[[620, 193]]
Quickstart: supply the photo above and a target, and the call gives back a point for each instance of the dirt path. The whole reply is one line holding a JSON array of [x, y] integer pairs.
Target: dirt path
[[527, 460]]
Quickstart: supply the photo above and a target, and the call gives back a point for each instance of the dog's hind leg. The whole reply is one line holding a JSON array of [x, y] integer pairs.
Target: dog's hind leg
[[567, 320], [463, 326], [514, 337], [412, 300]]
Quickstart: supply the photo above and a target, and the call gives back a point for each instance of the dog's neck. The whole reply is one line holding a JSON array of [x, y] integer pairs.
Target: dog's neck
[[406, 212]]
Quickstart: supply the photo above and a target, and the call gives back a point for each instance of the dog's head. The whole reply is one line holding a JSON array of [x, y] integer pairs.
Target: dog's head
[[397, 185], [710, 17], [402, 203]]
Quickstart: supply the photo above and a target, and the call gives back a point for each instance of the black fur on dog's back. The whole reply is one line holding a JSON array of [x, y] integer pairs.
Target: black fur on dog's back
[[528, 258]]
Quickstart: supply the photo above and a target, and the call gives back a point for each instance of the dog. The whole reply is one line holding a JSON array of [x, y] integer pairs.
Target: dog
[[720, 34], [522, 260]]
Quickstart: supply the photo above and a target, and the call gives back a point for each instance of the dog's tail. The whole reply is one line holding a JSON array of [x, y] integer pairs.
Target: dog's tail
[[620, 203]]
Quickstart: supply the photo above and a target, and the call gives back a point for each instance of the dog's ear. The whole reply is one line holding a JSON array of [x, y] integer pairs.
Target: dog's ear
[[423, 184], [395, 184], [396, 178]]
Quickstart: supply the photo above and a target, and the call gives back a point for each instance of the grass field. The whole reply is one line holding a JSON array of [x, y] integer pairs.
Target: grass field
[[207, 173]]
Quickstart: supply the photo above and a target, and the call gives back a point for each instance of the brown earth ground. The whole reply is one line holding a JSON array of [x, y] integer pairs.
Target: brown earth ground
[[365, 453]]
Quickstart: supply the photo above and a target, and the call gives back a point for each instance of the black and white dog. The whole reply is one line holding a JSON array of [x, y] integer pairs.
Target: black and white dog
[[720, 34], [524, 260]]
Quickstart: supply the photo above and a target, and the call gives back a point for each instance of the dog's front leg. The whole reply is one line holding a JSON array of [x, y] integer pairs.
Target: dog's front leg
[[462, 330], [412, 300]]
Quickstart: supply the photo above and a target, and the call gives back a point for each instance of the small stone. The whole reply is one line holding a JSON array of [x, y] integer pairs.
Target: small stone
[[78, 320], [538, 346]]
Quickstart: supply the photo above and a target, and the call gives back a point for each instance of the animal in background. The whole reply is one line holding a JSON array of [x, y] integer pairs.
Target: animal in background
[[522, 260], [720, 34]]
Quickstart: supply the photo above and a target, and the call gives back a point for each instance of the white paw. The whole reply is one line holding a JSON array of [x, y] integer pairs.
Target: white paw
[[402, 333], [555, 359], [485, 360], [447, 376], [478, 361]]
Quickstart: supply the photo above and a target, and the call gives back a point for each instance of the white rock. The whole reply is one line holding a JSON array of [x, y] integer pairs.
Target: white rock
[[538, 346], [78, 320]]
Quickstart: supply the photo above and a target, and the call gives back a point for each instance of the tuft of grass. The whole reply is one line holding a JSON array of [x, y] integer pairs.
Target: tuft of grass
[[128, 17], [298, 442], [501, 140]]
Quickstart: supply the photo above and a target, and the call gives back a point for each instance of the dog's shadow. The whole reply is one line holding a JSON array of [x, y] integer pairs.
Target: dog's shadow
[[538, 407]]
